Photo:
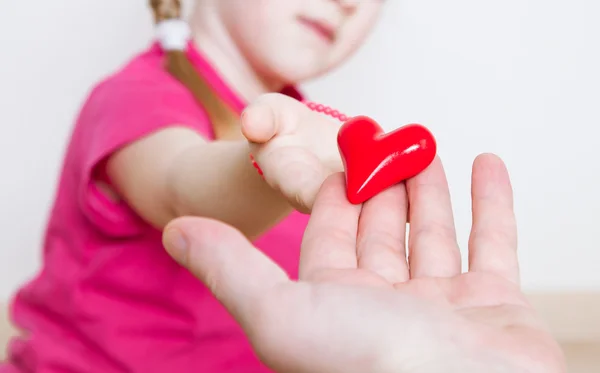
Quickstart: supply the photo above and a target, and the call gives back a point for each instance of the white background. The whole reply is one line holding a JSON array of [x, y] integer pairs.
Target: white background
[[520, 78]]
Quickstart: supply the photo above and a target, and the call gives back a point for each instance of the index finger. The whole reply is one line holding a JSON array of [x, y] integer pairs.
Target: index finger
[[330, 238]]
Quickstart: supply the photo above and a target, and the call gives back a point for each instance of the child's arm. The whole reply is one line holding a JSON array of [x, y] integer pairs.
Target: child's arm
[[175, 172]]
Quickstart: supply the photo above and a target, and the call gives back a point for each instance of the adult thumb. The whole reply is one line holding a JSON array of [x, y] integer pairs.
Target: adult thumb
[[222, 258], [270, 115]]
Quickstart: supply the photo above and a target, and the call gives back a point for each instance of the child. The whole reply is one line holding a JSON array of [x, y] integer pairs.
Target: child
[[162, 138]]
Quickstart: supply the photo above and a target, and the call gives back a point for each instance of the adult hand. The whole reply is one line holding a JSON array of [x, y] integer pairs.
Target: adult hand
[[361, 306]]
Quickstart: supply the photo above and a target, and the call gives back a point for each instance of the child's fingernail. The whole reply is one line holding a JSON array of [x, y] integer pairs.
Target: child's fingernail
[[176, 243]]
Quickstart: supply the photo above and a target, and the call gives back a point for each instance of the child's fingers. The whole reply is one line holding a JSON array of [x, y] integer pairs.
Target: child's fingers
[[271, 114], [225, 261]]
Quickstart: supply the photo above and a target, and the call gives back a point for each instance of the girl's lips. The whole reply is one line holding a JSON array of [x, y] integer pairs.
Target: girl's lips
[[323, 29]]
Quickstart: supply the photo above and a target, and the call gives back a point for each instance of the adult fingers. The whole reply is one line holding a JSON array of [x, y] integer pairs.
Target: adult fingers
[[433, 250], [382, 235], [330, 237], [493, 239]]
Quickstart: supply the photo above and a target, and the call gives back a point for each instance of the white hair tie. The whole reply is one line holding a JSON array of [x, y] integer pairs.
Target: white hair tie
[[173, 34]]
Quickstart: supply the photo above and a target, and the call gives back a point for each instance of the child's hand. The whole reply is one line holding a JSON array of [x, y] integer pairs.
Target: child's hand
[[295, 147]]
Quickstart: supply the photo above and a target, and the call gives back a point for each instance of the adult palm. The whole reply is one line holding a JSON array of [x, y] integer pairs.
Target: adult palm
[[361, 305]]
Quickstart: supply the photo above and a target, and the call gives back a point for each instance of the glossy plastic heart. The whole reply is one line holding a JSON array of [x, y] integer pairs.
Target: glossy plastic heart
[[374, 160]]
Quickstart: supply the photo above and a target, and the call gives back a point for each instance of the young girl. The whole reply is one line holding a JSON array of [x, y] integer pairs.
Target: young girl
[[163, 138]]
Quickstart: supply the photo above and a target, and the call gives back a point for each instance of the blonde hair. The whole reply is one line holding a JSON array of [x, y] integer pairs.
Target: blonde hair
[[181, 68]]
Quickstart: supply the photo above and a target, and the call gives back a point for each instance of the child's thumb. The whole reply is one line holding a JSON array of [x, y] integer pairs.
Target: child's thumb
[[271, 115], [225, 261]]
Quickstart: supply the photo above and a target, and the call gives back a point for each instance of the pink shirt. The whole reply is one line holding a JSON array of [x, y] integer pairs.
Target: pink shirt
[[109, 298]]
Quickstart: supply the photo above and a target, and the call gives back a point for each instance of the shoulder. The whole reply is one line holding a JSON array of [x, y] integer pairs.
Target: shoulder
[[141, 94], [143, 76]]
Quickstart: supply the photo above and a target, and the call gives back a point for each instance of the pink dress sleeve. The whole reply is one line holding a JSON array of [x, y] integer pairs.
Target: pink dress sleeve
[[118, 113]]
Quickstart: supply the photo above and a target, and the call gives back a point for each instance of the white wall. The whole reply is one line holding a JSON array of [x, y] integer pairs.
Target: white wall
[[515, 77]]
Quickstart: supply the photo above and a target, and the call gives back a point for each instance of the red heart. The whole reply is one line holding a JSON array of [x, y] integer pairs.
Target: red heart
[[374, 160]]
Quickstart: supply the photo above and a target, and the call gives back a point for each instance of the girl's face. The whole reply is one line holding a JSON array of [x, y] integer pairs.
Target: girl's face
[[294, 40]]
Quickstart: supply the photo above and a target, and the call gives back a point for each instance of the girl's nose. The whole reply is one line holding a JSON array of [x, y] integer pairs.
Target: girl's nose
[[348, 6]]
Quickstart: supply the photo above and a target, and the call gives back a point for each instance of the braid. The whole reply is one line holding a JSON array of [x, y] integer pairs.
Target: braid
[[174, 35], [165, 9]]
